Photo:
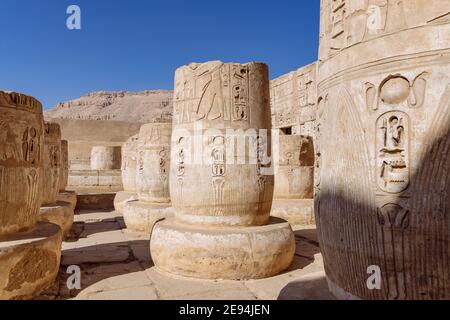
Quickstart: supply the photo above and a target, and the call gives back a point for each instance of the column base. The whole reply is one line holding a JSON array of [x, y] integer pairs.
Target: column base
[[60, 213], [122, 198], [231, 253], [141, 216], [340, 293], [68, 196], [295, 211], [29, 261]]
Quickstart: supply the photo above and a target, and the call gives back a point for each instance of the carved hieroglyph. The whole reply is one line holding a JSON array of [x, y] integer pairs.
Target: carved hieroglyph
[[218, 97], [52, 163], [64, 170], [21, 161], [29, 251], [221, 184], [383, 187], [294, 170], [293, 101], [129, 163], [153, 162], [106, 158]]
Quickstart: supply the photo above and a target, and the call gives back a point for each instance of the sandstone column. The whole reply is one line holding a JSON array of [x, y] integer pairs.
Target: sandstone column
[[30, 251], [105, 158], [294, 179], [382, 203], [221, 184], [152, 179], [65, 195], [129, 163], [52, 210]]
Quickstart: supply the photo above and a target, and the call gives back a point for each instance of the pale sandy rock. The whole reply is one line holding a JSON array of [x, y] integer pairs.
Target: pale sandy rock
[[136, 107], [384, 138]]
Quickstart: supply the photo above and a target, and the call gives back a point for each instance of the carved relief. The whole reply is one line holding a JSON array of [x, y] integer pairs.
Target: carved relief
[[218, 166], [393, 169], [394, 220], [396, 90], [212, 91]]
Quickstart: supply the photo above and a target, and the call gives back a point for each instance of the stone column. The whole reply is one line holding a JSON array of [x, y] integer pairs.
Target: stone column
[[52, 210], [30, 251], [152, 179], [382, 203], [105, 158], [65, 195], [222, 194], [294, 179], [129, 163]]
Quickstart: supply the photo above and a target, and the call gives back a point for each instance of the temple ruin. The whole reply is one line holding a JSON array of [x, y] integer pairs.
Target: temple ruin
[[296, 188]]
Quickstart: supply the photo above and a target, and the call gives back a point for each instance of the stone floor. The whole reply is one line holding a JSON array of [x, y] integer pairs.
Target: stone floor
[[116, 265]]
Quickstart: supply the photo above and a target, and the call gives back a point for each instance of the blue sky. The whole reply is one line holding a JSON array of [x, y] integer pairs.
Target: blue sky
[[136, 45]]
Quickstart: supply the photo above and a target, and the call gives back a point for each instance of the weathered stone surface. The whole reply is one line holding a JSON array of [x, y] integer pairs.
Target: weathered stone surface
[[141, 216], [129, 170], [95, 181], [129, 163], [122, 198], [95, 201], [294, 170], [29, 261], [223, 253], [21, 161], [152, 179], [61, 213], [295, 211], [136, 107], [384, 139], [294, 179], [221, 206], [293, 99], [106, 158], [64, 169], [68, 196], [52, 163], [153, 165]]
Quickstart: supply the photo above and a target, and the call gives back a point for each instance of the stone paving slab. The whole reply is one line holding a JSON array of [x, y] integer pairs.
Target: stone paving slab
[[116, 265]]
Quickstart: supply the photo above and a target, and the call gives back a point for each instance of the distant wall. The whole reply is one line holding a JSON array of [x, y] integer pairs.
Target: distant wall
[[82, 135]]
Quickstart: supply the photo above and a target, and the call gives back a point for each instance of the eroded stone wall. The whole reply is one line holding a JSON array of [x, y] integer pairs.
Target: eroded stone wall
[[293, 101]]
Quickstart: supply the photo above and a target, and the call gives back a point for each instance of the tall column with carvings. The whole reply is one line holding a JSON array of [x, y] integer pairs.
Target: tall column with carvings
[[152, 179], [221, 182], [129, 169], [65, 195], [52, 210], [294, 179], [30, 251], [382, 197]]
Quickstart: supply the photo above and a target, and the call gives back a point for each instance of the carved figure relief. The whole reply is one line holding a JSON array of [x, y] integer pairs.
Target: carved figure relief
[[393, 172], [218, 164], [394, 220], [163, 164], [30, 146]]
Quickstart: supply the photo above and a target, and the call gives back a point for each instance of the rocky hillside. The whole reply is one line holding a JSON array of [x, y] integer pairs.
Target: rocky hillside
[[142, 107]]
